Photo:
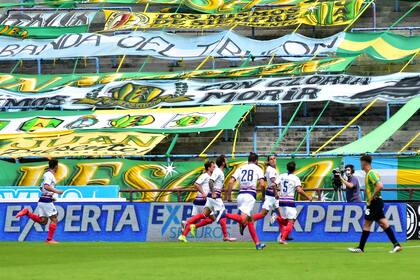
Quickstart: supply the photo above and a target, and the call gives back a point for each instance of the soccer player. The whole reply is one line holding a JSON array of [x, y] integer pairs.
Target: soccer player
[[45, 204], [248, 177], [289, 184], [271, 196], [375, 207], [214, 208]]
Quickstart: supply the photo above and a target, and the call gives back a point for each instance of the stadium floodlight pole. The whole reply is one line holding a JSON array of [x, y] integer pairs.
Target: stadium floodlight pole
[[346, 126], [409, 142]]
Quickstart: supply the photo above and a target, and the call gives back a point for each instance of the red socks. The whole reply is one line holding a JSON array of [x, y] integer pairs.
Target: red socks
[[285, 233], [204, 222], [51, 231], [253, 232], [257, 216], [222, 223], [34, 217], [191, 221], [235, 217]]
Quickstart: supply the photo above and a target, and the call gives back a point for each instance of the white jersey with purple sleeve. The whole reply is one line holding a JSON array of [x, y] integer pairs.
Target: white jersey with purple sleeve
[[270, 173], [287, 189], [219, 178], [47, 179], [248, 176], [203, 181]]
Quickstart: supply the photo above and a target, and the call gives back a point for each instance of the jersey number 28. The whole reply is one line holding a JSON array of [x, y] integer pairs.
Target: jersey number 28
[[249, 174]]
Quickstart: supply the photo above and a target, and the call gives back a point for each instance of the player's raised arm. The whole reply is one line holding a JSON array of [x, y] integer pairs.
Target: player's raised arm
[[300, 190], [378, 188], [229, 190], [275, 188], [262, 186], [52, 189], [200, 189]]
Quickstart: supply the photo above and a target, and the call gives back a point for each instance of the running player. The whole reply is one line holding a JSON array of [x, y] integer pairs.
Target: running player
[[375, 207], [45, 205], [248, 177], [289, 184], [214, 209], [271, 196]]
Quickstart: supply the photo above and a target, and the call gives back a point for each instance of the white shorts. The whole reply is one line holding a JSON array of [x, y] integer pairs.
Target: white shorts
[[46, 209], [246, 203], [270, 203], [215, 205], [197, 209], [288, 213]]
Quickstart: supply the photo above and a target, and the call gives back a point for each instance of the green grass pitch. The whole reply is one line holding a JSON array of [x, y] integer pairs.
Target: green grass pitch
[[205, 260]]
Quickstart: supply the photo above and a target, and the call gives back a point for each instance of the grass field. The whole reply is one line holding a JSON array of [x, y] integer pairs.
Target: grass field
[[154, 260]]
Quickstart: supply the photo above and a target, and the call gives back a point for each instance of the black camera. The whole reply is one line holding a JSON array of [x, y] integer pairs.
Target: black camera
[[336, 181]]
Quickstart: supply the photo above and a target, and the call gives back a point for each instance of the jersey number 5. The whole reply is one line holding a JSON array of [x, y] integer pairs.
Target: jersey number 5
[[284, 187], [249, 174]]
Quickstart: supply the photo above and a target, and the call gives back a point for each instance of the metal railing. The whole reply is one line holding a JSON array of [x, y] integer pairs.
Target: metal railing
[[308, 133], [319, 192], [410, 29]]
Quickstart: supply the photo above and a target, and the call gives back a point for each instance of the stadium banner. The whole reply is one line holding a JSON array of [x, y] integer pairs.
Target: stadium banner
[[45, 24], [47, 82], [349, 89], [316, 222], [210, 6], [408, 176], [83, 221], [69, 143], [185, 120], [383, 46], [11, 193], [164, 45], [225, 44], [330, 13], [395, 172], [146, 175], [413, 220]]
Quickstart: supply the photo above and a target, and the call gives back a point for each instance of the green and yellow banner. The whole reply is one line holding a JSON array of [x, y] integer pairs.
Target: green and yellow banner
[[147, 175], [72, 143], [48, 82], [323, 13], [161, 120], [381, 46]]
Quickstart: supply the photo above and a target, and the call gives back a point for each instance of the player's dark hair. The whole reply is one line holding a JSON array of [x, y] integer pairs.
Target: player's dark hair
[[253, 157], [351, 166], [291, 166], [366, 158], [52, 163], [208, 164], [220, 160], [269, 156]]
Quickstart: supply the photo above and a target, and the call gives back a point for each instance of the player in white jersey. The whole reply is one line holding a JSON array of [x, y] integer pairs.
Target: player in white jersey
[[46, 206], [248, 176], [271, 197], [214, 208], [288, 185]]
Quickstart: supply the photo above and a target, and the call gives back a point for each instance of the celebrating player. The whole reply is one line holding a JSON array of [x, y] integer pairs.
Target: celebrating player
[[45, 205], [248, 177], [271, 196], [214, 208], [289, 184], [375, 207]]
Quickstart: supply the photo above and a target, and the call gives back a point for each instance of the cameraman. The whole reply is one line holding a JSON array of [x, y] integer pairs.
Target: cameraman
[[351, 184]]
